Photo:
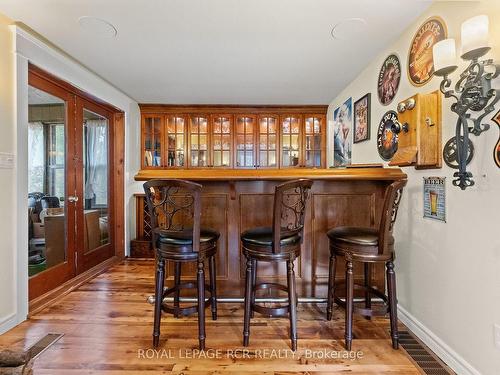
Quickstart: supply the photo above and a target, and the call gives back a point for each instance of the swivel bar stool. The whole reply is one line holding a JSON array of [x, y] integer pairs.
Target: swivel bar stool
[[367, 246], [175, 211], [281, 243]]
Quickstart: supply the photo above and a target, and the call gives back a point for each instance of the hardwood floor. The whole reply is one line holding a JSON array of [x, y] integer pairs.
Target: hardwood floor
[[107, 327]]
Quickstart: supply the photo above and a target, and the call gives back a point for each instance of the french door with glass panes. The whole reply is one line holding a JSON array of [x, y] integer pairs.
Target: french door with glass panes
[[70, 213]]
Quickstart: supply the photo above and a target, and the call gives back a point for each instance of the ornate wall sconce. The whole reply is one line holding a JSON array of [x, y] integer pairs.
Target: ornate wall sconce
[[472, 91]]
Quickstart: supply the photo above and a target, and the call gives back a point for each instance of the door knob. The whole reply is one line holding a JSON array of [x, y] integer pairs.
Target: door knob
[[72, 199]]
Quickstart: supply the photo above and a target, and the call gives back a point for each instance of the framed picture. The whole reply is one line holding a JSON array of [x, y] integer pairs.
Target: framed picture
[[420, 61], [496, 150], [342, 134], [388, 79], [362, 108], [435, 198]]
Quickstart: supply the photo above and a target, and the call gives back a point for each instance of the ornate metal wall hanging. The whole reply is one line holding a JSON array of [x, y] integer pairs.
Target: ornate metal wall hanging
[[420, 62], [387, 137], [450, 150], [473, 94]]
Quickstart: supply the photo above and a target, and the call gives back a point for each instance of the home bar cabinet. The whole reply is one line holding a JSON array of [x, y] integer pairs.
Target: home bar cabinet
[[239, 154]]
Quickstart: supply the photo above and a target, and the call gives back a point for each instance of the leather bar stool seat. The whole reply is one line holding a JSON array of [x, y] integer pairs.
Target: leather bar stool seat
[[279, 243], [366, 246], [185, 237]]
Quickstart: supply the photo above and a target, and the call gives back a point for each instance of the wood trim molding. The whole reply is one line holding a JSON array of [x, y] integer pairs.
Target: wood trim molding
[[55, 295], [186, 109]]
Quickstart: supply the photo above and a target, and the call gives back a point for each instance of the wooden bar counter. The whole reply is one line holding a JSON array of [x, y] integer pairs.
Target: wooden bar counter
[[236, 200]]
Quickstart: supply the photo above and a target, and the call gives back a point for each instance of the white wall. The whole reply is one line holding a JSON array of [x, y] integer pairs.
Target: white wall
[[7, 179], [18, 48], [448, 274]]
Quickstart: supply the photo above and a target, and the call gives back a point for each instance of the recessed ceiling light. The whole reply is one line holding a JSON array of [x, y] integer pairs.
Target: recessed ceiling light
[[349, 28], [97, 26]]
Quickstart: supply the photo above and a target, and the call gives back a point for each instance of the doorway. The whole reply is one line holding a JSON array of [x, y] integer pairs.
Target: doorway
[[72, 188]]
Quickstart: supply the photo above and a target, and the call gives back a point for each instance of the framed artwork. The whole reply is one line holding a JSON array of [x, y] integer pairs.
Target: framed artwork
[[496, 150], [362, 108], [388, 79], [387, 140], [342, 134], [435, 198], [420, 61]]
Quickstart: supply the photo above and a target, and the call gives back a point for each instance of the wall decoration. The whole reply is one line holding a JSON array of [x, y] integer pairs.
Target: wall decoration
[[387, 139], [435, 198], [342, 147], [496, 150], [388, 79], [420, 62], [450, 152], [362, 108]]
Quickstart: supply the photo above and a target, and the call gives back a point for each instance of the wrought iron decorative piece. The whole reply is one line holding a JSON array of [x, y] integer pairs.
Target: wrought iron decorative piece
[[293, 206], [450, 155], [395, 207], [472, 93], [171, 205]]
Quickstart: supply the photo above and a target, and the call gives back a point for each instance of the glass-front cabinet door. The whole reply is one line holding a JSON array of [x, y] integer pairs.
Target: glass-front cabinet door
[[245, 141], [175, 141], [313, 141], [152, 141], [290, 141], [221, 141], [268, 142], [198, 142]]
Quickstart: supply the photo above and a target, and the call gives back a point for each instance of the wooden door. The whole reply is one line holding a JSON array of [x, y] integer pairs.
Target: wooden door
[[94, 181], [314, 141], [221, 133], [291, 130], [199, 155], [267, 141], [51, 222], [245, 153]]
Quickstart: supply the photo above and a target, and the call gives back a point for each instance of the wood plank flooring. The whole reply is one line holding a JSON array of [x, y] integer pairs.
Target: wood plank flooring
[[107, 326]]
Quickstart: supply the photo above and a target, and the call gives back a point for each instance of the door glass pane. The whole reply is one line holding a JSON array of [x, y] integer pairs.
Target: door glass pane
[[244, 141], [46, 181], [290, 130], [95, 187], [198, 127], [152, 142], [175, 141]]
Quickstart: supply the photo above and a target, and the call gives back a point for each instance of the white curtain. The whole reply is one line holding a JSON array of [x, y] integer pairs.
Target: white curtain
[[96, 183], [36, 157]]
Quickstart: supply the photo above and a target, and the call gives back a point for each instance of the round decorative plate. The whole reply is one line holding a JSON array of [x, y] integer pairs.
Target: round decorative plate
[[387, 139], [420, 62], [450, 152], [388, 79]]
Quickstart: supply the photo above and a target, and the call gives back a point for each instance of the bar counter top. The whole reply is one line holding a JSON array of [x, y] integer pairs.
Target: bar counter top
[[347, 174]]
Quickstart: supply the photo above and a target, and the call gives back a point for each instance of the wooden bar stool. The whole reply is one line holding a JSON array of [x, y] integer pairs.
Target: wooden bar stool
[[281, 243], [175, 210], [367, 246]]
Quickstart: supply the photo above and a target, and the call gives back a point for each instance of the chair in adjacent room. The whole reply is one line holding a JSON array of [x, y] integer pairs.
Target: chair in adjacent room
[[279, 243], [367, 246], [175, 211]]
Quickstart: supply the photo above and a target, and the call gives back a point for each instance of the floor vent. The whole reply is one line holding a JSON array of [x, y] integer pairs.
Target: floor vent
[[43, 344], [422, 356]]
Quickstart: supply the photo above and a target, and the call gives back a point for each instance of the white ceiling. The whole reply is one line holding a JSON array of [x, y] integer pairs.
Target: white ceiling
[[221, 51]]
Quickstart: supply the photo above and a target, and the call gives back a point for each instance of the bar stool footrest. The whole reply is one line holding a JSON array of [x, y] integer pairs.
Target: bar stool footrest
[[374, 311], [270, 311], [184, 311]]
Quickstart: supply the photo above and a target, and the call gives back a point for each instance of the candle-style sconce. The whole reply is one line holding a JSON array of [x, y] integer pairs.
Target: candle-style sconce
[[472, 91]]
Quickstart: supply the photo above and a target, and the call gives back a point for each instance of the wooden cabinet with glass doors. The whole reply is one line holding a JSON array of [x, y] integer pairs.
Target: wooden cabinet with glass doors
[[225, 137]]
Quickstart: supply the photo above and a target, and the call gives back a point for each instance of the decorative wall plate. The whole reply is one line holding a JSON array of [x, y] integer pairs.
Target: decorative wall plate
[[450, 153], [496, 150], [387, 139], [388, 79], [420, 62]]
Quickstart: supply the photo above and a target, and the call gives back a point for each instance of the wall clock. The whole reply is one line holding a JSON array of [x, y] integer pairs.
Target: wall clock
[[388, 79], [387, 139], [420, 61]]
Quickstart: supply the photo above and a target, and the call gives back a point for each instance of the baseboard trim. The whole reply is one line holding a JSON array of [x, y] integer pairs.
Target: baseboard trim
[[8, 323], [438, 346], [56, 294]]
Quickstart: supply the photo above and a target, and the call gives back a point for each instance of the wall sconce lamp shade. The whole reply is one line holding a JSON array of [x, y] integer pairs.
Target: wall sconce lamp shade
[[475, 32], [474, 97], [445, 57]]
